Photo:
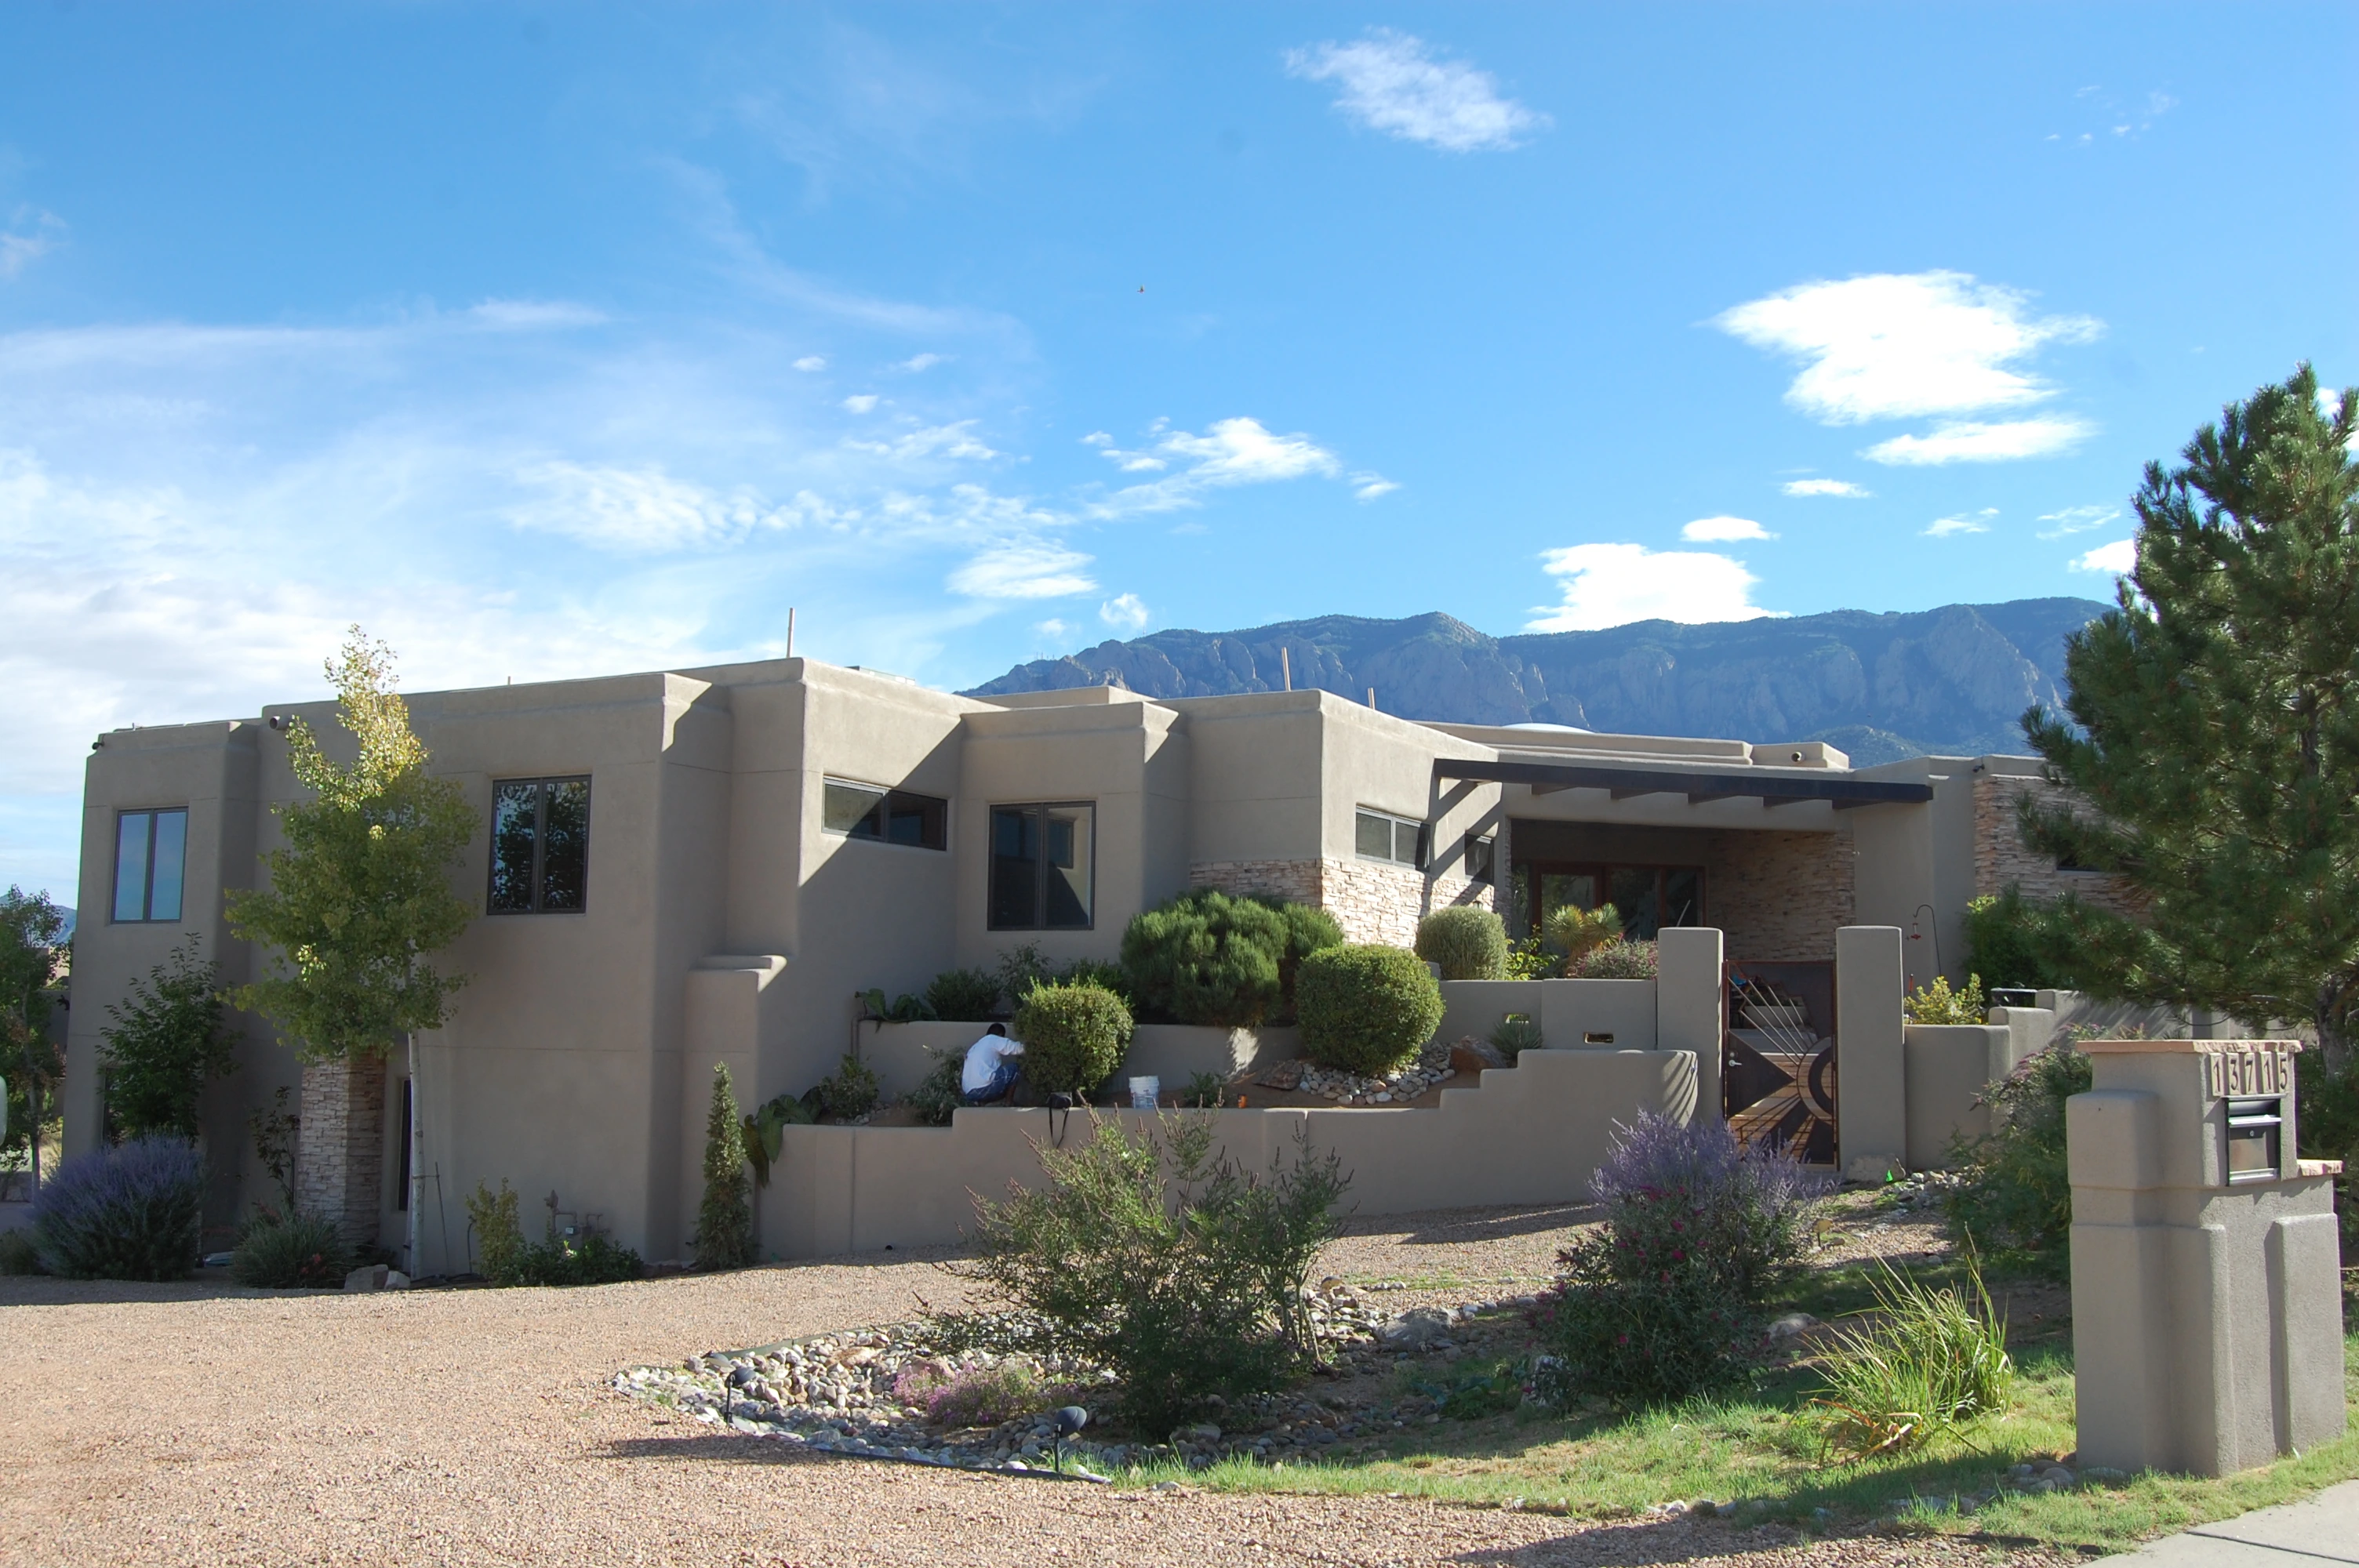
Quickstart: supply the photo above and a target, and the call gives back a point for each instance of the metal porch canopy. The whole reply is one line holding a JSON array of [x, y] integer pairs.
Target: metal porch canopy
[[1770, 789]]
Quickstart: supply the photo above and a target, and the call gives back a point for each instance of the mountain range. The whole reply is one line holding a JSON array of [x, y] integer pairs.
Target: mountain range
[[1878, 686]]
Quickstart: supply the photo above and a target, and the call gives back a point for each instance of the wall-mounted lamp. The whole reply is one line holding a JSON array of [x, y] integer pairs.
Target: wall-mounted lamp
[[279, 721], [1917, 924]]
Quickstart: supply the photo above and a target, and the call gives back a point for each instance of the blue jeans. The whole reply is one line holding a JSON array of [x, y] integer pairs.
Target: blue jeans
[[1002, 1078]]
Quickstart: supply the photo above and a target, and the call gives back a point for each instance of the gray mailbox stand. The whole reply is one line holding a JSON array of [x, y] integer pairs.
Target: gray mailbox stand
[[2207, 1305]]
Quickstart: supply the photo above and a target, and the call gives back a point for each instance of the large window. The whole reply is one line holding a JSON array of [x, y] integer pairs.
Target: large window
[[151, 853], [1381, 836], [1043, 863], [887, 815], [1647, 898], [540, 847]]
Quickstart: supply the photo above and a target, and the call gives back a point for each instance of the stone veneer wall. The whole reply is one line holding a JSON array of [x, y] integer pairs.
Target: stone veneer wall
[[339, 1143], [1371, 901], [1781, 896], [2001, 856]]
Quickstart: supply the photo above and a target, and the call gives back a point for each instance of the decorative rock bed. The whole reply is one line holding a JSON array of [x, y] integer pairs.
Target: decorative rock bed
[[1431, 1066], [836, 1393]]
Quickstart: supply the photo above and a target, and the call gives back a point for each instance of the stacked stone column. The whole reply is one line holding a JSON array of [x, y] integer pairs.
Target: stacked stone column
[[339, 1146]]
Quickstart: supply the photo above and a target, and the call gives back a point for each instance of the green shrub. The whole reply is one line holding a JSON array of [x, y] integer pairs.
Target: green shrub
[[1530, 959], [963, 996], [2014, 1199], [125, 1213], [1470, 944], [1205, 1091], [595, 1261], [297, 1251], [1617, 960], [1106, 977], [499, 1239], [2020, 945], [1661, 1300], [1576, 933], [17, 1253], [724, 1220], [1365, 1008], [168, 1038], [902, 1008], [1073, 1036], [1518, 1032], [1939, 1004], [1184, 1292], [979, 1396], [941, 1093], [851, 1092], [1927, 1362], [1021, 967], [1206, 958]]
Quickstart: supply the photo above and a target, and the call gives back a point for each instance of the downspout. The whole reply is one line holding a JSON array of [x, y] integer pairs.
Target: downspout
[[416, 1145]]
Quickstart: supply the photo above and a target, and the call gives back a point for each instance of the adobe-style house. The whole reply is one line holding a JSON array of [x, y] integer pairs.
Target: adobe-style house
[[694, 865]]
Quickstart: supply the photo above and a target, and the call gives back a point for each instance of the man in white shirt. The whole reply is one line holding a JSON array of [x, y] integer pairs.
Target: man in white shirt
[[989, 1074]]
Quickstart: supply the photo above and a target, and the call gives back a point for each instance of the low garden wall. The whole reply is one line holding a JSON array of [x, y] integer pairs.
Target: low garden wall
[[1527, 1134], [898, 1052]]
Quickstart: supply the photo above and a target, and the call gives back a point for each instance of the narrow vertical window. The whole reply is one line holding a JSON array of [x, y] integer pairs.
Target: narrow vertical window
[[540, 847], [131, 830], [151, 854]]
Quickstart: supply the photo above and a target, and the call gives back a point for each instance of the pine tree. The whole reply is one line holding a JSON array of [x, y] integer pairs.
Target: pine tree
[[724, 1223], [2218, 727]]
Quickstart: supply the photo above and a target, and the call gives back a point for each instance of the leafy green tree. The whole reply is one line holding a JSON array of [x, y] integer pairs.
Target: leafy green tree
[[724, 1221], [168, 1038], [32, 955], [2215, 728]]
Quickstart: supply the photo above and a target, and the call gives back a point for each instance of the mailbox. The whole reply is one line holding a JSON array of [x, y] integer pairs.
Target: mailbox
[[2207, 1307]]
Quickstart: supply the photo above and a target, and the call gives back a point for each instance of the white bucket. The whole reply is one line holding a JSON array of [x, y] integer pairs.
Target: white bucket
[[1144, 1092]]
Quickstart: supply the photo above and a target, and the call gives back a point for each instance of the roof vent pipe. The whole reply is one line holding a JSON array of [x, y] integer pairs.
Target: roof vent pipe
[[1285, 666]]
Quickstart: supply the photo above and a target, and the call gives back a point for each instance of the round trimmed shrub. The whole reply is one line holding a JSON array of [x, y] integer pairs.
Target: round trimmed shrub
[[1073, 1036], [1365, 1008], [301, 1251], [125, 1213], [1470, 944], [1617, 962], [963, 996], [1209, 958]]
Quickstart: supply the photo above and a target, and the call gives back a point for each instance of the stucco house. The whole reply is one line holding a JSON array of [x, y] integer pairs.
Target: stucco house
[[694, 865]]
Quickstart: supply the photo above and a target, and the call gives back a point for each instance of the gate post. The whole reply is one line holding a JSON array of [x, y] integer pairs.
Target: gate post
[[1871, 1062], [1690, 1005]]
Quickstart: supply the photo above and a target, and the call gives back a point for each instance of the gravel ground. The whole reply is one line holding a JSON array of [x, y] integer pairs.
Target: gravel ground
[[199, 1423]]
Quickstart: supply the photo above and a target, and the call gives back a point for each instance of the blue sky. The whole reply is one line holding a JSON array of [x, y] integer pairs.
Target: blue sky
[[549, 340]]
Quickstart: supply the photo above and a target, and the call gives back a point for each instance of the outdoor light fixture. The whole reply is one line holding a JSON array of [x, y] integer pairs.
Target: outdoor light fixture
[[1069, 1420], [279, 721]]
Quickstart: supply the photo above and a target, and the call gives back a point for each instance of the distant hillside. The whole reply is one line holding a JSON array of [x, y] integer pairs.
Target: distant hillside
[[1951, 680]]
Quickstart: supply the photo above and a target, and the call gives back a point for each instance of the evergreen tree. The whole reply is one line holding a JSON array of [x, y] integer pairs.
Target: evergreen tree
[[2217, 737], [724, 1223], [32, 955], [168, 1036]]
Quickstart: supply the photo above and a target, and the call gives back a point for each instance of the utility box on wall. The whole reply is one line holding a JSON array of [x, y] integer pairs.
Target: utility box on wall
[[2207, 1307]]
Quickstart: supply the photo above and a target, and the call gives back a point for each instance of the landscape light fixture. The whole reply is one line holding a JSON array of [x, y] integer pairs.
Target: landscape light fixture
[[1069, 1420]]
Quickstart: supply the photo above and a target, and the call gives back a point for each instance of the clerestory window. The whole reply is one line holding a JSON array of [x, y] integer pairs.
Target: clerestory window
[[885, 815]]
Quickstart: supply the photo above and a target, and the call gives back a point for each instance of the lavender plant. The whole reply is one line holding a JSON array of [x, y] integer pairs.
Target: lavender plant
[[127, 1213]]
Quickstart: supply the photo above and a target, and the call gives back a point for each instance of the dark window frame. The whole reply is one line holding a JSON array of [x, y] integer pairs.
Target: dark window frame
[[1420, 847], [1038, 810], [1525, 898], [538, 877], [893, 806], [147, 916]]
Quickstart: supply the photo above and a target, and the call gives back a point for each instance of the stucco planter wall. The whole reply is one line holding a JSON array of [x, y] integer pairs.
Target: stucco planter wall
[[1476, 1007], [1948, 1066], [1597, 1015], [896, 1052]]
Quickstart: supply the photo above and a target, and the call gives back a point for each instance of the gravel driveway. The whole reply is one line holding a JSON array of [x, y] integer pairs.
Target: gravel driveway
[[203, 1425]]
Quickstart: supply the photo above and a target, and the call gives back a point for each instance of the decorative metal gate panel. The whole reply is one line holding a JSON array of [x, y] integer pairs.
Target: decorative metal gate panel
[[1778, 1058]]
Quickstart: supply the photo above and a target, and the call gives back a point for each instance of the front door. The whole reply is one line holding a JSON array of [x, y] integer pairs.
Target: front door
[[1778, 1058]]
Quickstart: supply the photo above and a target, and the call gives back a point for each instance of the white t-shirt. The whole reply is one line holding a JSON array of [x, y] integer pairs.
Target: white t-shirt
[[983, 1060]]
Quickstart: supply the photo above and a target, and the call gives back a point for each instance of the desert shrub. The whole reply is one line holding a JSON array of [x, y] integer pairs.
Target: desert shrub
[[1205, 1091], [939, 1093], [724, 1220], [1309, 929], [1365, 1008], [1516, 1033], [1021, 967], [1530, 959], [1616, 961], [125, 1213], [1073, 1036], [1577, 933], [852, 1091], [1205, 957], [1470, 944], [290, 1253], [2020, 945], [903, 1008], [499, 1239], [593, 1260], [1937, 1003], [1927, 1362], [1106, 977], [978, 1396], [1699, 1236], [963, 996], [166, 1039], [1184, 1292], [17, 1253], [2014, 1197]]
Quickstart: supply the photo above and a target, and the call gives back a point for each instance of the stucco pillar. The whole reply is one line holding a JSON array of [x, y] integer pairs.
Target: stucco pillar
[[339, 1146], [2207, 1307], [1687, 1003], [1871, 1062]]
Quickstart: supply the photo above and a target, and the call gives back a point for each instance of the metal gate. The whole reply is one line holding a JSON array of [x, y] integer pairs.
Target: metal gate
[[1778, 1058]]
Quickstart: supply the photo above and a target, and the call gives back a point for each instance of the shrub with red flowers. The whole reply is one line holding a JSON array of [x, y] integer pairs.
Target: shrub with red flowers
[[1663, 1299]]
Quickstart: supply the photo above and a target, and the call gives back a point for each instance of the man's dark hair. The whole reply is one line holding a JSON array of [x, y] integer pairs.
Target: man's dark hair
[[998, 1029]]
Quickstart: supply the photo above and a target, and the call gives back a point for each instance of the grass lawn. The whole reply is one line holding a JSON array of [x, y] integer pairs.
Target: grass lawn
[[1757, 1443]]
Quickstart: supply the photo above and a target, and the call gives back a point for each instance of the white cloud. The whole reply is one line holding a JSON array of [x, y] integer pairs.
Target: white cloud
[[2078, 520], [533, 315], [31, 235], [1392, 82], [1896, 345], [1842, 487], [2119, 557], [1230, 452], [861, 403], [1611, 585], [1723, 530], [811, 363], [1125, 610], [647, 512], [1052, 627], [1024, 569], [1368, 485], [1963, 522], [1968, 442], [917, 363], [1097, 438], [953, 440]]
